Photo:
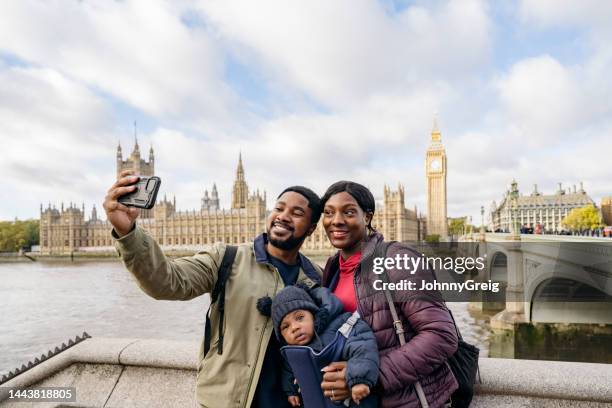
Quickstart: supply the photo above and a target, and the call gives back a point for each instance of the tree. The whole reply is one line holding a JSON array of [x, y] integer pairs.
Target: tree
[[432, 238], [457, 226], [17, 234], [584, 218]]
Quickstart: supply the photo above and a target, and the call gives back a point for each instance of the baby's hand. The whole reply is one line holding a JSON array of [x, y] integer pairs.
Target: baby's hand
[[359, 392], [294, 400]]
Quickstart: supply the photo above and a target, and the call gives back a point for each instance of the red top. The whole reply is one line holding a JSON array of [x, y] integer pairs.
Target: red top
[[345, 290]]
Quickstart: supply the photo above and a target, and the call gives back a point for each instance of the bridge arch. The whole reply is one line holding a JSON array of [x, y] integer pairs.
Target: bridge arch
[[563, 300], [498, 267], [498, 272]]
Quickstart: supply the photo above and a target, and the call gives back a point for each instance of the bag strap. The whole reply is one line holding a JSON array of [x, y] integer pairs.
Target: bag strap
[[218, 293], [346, 328], [397, 323], [459, 336], [433, 272]]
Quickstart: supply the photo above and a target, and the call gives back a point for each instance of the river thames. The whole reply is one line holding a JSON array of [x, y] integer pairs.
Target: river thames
[[46, 303]]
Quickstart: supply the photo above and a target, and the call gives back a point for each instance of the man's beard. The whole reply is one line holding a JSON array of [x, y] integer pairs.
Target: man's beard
[[287, 244]]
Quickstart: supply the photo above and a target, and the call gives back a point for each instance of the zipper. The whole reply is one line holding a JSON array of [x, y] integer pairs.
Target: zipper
[[263, 330], [356, 292]]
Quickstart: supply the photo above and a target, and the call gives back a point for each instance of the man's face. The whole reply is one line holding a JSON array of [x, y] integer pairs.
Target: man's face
[[289, 222], [297, 327]]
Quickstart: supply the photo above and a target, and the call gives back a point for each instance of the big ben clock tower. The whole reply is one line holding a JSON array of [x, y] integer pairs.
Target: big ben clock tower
[[435, 162]]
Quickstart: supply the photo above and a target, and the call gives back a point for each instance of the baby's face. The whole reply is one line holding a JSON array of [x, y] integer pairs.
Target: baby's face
[[297, 327]]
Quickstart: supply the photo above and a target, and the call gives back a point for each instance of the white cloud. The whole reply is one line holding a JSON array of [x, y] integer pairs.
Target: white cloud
[[53, 132], [351, 91], [342, 52], [542, 100], [563, 12], [138, 51]]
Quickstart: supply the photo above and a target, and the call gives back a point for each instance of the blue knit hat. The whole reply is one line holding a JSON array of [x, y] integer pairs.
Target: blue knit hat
[[286, 301]]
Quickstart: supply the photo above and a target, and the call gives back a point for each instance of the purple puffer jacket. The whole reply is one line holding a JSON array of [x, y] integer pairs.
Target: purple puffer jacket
[[430, 333]]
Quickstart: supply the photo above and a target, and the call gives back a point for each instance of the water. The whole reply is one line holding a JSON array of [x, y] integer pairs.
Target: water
[[45, 303]]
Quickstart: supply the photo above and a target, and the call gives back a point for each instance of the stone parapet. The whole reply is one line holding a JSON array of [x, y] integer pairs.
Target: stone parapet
[[115, 372]]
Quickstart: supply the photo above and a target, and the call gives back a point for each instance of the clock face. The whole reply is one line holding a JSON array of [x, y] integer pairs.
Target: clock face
[[435, 165]]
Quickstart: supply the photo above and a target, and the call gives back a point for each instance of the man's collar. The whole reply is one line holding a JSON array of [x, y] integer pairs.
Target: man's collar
[[261, 256]]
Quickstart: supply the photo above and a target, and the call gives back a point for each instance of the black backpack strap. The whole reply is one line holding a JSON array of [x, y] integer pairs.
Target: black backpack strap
[[218, 294]]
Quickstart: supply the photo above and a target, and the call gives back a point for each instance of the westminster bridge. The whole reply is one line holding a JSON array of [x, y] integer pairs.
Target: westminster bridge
[[556, 290]]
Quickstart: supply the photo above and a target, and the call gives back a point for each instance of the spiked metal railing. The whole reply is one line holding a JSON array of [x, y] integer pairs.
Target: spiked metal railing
[[43, 357]]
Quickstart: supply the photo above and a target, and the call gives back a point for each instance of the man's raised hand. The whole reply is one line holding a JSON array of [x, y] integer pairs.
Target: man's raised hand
[[120, 216]]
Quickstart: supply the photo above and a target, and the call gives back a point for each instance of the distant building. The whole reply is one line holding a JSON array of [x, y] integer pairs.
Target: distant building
[[606, 210], [137, 164], [547, 210], [435, 170], [66, 230]]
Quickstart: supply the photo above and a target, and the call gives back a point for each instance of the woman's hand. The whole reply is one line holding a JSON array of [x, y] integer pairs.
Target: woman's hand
[[334, 381]]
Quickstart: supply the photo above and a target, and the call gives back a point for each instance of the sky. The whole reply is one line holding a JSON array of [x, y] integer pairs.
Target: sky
[[309, 92]]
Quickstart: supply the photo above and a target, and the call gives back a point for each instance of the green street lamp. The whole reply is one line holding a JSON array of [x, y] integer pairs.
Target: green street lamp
[[514, 195], [482, 227]]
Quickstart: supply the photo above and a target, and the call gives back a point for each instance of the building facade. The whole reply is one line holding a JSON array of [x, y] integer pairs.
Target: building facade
[[137, 164], [536, 208], [67, 230], [606, 210], [435, 170]]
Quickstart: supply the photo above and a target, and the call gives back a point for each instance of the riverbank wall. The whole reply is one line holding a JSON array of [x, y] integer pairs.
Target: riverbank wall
[[116, 372]]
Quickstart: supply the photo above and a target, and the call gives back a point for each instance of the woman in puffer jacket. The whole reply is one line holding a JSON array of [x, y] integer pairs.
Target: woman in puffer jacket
[[429, 329]]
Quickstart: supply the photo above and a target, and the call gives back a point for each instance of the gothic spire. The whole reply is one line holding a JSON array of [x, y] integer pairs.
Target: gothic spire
[[136, 147], [240, 169], [240, 192], [435, 130]]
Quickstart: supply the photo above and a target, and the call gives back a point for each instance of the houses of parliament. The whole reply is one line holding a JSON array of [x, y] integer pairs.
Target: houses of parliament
[[66, 230]]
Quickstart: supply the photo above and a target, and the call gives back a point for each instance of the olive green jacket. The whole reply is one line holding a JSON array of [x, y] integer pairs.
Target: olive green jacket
[[230, 379]]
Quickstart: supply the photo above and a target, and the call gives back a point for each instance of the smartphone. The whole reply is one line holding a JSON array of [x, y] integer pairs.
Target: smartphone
[[145, 194]]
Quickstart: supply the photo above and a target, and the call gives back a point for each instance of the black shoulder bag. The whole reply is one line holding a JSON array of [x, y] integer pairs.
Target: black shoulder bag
[[463, 364], [218, 294]]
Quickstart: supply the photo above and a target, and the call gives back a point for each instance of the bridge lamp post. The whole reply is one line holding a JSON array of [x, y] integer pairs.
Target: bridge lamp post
[[482, 226], [514, 194]]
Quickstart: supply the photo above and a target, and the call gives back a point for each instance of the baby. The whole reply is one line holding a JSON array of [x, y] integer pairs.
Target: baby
[[299, 321]]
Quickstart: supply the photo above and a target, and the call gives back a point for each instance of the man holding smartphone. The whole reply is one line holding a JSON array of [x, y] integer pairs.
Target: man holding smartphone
[[242, 366]]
